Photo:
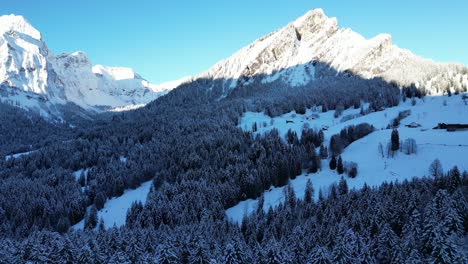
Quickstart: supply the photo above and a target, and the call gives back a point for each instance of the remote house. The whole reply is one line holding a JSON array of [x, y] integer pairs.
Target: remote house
[[452, 127]]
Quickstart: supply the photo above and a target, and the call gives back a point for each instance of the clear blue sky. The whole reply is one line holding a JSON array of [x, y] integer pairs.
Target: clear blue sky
[[165, 40]]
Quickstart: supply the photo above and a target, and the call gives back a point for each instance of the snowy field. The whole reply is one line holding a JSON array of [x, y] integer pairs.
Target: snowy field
[[451, 148], [115, 209]]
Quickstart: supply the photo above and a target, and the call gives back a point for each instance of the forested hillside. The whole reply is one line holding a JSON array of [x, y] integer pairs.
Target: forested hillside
[[189, 143]]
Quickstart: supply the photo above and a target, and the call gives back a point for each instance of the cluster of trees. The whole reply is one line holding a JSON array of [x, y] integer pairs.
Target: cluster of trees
[[395, 123], [351, 168], [347, 136], [408, 146]]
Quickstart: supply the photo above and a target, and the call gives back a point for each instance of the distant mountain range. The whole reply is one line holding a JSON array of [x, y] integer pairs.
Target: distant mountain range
[[33, 77]]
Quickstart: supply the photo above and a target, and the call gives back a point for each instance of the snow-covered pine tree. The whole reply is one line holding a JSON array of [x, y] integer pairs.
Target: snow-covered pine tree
[[319, 255]]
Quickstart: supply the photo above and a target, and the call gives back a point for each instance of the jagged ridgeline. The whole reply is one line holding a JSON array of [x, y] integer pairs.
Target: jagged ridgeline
[[199, 162], [34, 78]]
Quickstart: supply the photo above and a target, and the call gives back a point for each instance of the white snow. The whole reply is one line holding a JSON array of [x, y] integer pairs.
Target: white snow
[[127, 108], [123, 159], [451, 148], [17, 155], [115, 209], [18, 23], [78, 173]]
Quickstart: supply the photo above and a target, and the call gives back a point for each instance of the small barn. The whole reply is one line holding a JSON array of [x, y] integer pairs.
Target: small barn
[[452, 127]]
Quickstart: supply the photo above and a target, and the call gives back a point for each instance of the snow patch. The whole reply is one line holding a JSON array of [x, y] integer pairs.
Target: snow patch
[[115, 209], [18, 155]]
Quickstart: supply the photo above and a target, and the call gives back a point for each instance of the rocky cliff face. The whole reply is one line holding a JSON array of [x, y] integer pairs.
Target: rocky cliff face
[[34, 78], [290, 52]]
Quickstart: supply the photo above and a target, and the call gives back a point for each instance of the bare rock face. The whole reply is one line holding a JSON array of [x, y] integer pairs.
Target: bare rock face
[[289, 54]]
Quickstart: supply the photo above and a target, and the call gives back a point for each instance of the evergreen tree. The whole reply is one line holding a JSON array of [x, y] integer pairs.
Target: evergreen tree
[[454, 179], [445, 249], [290, 196], [333, 163], [273, 255], [395, 140], [165, 254], [91, 219], [199, 254], [101, 226], [261, 202], [315, 162], [319, 255], [291, 137], [339, 166], [63, 225], [82, 180], [342, 186], [65, 253], [99, 200], [323, 152], [232, 255], [309, 192], [85, 256], [387, 243]]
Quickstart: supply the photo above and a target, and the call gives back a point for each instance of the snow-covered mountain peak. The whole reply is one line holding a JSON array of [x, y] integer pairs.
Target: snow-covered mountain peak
[[14, 23], [313, 21], [291, 53], [32, 77]]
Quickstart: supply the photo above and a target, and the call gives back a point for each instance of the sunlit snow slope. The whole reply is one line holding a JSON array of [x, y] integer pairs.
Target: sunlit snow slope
[[451, 148]]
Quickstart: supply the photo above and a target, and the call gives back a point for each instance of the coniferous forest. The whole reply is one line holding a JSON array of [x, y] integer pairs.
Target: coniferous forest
[[201, 163]]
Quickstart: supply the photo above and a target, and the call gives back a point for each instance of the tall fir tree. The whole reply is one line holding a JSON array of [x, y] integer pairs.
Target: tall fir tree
[[395, 140], [339, 166], [333, 163]]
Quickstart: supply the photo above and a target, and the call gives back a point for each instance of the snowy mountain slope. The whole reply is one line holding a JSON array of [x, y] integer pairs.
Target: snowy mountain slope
[[33, 77], [449, 147], [290, 52]]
